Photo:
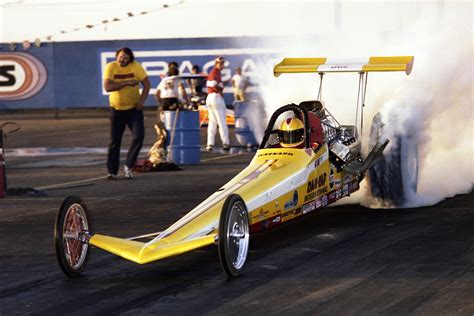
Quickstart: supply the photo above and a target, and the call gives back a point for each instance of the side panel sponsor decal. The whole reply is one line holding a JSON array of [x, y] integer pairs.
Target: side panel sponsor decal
[[306, 208], [293, 202]]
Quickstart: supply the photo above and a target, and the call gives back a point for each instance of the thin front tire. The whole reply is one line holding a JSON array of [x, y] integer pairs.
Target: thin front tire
[[234, 236], [71, 227]]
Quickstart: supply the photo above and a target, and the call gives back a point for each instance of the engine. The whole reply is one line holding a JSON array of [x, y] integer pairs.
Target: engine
[[340, 138]]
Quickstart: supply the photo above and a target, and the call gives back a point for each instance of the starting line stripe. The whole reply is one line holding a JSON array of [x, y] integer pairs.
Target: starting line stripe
[[221, 157], [59, 185], [69, 183]]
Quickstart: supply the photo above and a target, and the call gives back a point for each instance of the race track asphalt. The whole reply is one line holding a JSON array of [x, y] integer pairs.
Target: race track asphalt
[[343, 260]]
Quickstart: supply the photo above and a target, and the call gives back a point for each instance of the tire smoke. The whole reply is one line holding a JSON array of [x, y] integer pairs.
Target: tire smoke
[[436, 108]]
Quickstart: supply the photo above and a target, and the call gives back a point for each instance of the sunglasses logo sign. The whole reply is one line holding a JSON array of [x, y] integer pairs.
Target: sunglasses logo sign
[[21, 76]]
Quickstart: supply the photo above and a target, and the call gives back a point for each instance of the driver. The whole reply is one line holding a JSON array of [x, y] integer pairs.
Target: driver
[[291, 133]]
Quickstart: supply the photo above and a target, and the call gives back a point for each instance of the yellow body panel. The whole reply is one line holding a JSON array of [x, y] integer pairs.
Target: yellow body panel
[[314, 184], [141, 253]]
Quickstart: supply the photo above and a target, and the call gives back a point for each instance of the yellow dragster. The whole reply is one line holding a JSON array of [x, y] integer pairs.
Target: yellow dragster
[[279, 184]]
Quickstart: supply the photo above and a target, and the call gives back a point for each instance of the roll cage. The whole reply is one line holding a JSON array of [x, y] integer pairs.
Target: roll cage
[[299, 112]]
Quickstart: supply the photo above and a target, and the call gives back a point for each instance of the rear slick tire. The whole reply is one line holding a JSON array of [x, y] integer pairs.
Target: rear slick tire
[[72, 221], [394, 176], [234, 236]]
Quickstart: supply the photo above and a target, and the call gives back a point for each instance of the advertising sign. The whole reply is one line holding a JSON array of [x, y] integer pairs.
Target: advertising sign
[[69, 74], [21, 76]]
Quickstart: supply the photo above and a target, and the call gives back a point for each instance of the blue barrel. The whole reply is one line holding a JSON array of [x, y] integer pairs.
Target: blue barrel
[[250, 122], [184, 145]]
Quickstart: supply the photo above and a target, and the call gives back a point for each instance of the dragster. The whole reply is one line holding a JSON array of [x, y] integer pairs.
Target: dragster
[[279, 184]]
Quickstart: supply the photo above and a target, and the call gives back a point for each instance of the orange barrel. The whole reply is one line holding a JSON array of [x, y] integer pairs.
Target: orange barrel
[[184, 144]]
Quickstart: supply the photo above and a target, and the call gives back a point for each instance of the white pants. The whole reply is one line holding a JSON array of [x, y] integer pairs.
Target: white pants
[[216, 108]]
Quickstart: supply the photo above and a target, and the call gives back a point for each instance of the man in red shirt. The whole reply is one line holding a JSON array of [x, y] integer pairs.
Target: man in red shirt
[[216, 106]]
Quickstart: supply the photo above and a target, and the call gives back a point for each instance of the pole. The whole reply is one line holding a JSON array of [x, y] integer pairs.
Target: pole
[[172, 134], [3, 172], [3, 177], [320, 92]]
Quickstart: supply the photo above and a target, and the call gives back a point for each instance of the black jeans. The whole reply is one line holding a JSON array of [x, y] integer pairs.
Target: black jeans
[[118, 120]]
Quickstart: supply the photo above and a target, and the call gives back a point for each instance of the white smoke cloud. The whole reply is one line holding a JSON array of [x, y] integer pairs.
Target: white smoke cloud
[[434, 103], [439, 106]]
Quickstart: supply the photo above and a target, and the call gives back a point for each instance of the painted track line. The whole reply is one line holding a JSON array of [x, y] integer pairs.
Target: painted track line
[[221, 157], [65, 184]]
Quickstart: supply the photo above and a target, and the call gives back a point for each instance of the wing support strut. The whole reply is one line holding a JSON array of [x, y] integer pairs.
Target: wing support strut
[[363, 76]]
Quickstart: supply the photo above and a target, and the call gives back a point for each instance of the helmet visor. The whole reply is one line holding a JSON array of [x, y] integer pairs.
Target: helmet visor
[[291, 137]]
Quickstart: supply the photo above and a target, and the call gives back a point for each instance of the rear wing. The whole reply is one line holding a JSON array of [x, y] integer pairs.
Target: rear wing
[[323, 65]]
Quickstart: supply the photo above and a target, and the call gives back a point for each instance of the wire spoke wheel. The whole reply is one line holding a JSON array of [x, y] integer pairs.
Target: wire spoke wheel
[[234, 236], [71, 228]]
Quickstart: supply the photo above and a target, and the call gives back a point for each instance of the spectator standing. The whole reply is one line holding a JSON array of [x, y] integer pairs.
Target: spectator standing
[[122, 79], [172, 64], [196, 84], [167, 92], [216, 107], [239, 83]]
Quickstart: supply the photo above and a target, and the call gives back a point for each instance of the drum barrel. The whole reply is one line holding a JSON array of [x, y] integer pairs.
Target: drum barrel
[[184, 143]]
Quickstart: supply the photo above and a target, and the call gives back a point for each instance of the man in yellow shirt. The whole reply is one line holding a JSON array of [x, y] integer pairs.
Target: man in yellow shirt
[[122, 79]]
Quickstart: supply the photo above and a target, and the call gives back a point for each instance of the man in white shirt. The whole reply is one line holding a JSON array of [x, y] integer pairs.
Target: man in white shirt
[[239, 83], [168, 90]]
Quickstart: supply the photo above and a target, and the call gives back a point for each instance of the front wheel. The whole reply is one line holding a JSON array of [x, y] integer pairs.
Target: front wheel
[[233, 235], [71, 231]]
